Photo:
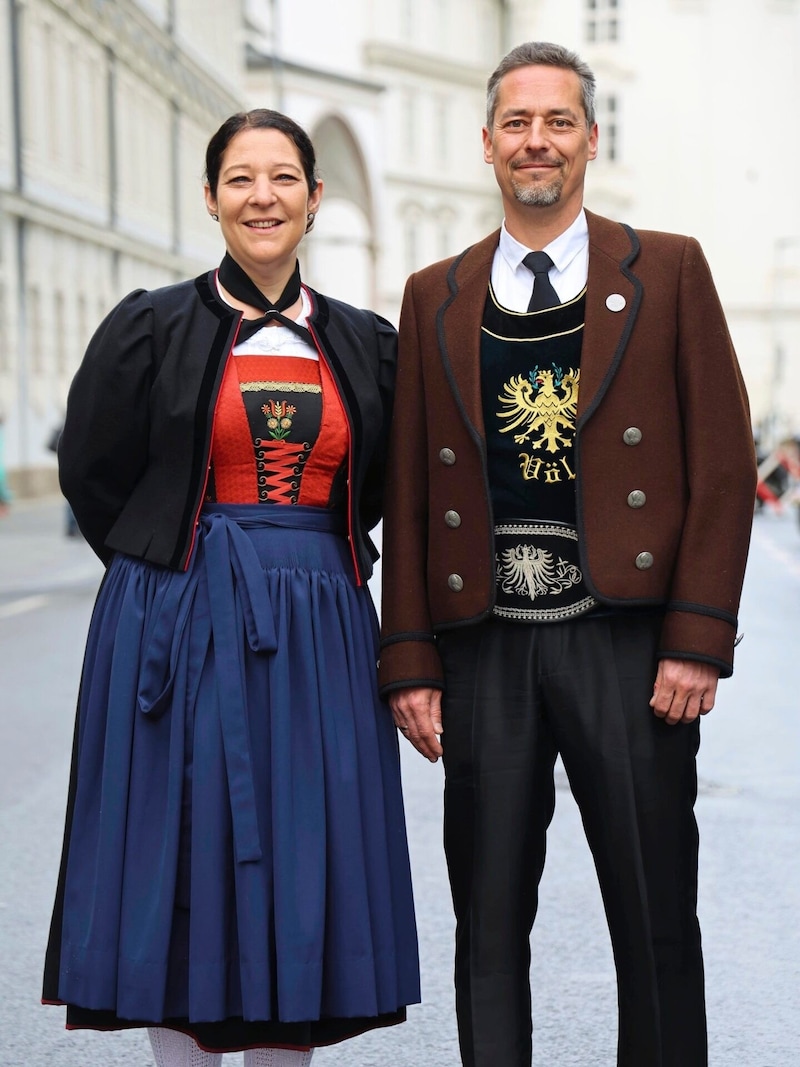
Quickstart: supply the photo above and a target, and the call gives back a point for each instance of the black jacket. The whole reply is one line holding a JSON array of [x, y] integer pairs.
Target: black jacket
[[134, 454]]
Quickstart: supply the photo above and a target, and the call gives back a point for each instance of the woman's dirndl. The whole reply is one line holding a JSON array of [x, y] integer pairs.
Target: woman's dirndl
[[237, 862]]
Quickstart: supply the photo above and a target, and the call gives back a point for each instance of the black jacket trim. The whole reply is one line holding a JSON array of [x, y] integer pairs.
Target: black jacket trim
[[411, 635], [413, 683], [134, 454], [703, 609], [725, 669]]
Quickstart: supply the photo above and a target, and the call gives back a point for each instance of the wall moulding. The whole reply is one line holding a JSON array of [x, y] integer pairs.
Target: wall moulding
[[430, 66], [99, 236]]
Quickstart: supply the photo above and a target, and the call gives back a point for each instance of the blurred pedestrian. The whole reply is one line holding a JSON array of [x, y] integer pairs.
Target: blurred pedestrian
[[5, 492], [235, 872]]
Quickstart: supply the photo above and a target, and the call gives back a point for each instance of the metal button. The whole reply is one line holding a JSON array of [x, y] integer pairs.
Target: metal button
[[644, 561], [452, 519], [447, 456], [637, 499], [632, 435], [456, 582]]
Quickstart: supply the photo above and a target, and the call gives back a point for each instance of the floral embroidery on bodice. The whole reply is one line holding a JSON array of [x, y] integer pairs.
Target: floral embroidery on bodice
[[280, 433]]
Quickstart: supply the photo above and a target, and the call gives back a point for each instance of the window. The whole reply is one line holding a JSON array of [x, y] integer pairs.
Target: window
[[411, 242], [35, 346], [412, 217], [408, 20], [445, 223], [5, 355], [60, 324], [607, 109], [83, 323], [410, 125], [441, 16], [442, 109], [602, 21]]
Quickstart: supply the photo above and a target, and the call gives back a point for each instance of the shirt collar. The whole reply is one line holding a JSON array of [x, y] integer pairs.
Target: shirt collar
[[562, 250]]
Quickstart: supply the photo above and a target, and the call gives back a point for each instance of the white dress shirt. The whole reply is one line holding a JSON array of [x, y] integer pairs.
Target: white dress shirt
[[512, 281]]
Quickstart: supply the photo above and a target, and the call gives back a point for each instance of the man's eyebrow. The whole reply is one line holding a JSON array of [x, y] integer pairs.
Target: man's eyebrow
[[521, 112]]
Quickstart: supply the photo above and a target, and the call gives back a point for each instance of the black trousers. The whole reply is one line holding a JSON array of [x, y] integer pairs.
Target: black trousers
[[518, 695]]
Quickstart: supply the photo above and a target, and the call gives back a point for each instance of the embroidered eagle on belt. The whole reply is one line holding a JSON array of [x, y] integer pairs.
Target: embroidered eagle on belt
[[530, 571]]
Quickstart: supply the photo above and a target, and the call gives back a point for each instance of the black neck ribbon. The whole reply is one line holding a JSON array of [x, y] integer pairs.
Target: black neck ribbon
[[241, 286]]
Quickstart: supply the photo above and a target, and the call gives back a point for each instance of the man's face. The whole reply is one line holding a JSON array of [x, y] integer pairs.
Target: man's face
[[539, 142]]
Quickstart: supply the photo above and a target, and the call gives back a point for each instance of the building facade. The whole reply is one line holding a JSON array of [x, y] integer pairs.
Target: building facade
[[398, 138], [106, 107], [695, 106]]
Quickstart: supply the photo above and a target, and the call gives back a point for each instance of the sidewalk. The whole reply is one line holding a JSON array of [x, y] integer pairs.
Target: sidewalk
[[36, 556]]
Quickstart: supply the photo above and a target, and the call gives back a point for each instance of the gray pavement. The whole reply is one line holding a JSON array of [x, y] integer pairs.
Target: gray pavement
[[747, 810]]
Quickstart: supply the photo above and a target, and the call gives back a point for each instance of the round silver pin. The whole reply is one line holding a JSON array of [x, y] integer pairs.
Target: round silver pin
[[615, 302]]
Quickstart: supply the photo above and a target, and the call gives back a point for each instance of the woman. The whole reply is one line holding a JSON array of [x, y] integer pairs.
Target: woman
[[235, 871]]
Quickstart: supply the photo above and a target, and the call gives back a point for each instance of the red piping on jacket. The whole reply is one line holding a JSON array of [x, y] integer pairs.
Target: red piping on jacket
[[350, 538], [196, 522], [318, 346]]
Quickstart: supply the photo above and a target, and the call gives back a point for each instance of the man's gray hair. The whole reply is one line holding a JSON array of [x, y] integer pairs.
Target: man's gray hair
[[543, 54]]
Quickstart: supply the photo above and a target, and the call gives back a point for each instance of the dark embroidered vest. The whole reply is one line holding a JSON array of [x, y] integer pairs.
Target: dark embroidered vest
[[530, 376]]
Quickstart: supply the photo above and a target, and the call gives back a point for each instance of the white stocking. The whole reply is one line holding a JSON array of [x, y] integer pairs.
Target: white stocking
[[171, 1048], [276, 1057]]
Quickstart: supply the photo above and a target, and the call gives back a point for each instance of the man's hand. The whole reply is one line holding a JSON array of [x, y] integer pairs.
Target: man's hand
[[684, 689], [417, 715]]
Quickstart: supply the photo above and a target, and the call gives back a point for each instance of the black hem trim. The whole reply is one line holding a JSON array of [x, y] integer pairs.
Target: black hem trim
[[236, 1034]]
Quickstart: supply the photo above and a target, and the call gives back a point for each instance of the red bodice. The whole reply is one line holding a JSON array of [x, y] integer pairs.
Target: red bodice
[[280, 434]]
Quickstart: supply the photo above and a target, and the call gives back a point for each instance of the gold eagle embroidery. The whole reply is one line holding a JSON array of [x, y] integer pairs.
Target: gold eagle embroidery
[[545, 402]]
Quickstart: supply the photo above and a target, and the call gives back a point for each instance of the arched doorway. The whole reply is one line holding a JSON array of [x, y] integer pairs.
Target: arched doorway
[[340, 253]]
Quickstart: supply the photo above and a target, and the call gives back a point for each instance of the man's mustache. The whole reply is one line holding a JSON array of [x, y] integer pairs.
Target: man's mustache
[[516, 164]]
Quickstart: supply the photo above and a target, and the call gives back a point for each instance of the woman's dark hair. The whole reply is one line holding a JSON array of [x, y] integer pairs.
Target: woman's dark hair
[[260, 118]]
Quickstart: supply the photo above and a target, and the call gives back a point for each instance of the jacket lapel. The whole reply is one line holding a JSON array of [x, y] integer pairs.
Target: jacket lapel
[[613, 296], [458, 325]]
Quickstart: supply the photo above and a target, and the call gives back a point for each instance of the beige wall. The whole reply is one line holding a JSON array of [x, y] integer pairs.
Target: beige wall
[[116, 107]]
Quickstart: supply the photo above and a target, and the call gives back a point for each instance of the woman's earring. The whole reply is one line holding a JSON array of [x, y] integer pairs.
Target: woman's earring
[[215, 217]]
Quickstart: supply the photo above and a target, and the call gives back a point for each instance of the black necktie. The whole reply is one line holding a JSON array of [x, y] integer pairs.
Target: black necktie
[[242, 286], [543, 295]]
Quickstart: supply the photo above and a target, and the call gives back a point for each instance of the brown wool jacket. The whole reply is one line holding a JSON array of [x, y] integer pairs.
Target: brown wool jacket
[[662, 367]]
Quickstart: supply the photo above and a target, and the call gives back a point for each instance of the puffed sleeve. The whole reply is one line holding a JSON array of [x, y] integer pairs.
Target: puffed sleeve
[[104, 444]]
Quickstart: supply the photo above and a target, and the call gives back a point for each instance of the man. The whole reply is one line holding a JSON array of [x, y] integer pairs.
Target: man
[[570, 494]]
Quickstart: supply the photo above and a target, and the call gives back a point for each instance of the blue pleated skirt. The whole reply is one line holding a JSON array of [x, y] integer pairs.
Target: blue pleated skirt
[[237, 846]]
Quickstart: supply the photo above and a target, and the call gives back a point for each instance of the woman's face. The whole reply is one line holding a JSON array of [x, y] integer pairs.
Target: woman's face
[[263, 201]]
